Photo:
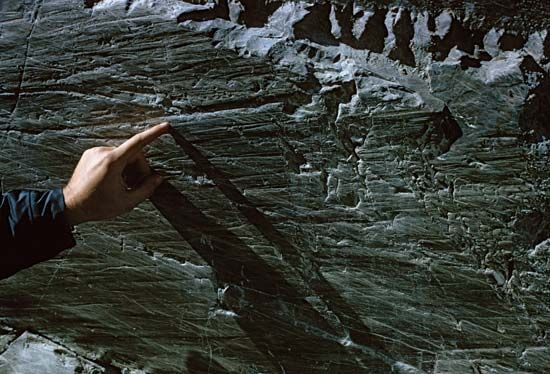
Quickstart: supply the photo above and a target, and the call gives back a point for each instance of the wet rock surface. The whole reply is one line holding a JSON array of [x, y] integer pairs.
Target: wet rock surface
[[354, 187]]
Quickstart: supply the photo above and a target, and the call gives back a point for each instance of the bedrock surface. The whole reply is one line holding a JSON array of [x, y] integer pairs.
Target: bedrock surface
[[353, 187]]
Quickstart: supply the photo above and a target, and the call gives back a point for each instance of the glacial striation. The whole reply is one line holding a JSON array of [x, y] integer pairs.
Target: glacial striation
[[354, 187]]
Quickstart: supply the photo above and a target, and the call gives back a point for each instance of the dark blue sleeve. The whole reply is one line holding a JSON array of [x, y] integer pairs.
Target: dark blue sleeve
[[33, 228]]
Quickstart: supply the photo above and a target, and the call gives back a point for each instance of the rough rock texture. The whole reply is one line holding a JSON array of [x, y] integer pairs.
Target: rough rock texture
[[355, 187]]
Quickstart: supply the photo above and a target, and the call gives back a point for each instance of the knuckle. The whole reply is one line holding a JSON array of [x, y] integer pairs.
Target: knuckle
[[96, 151], [140, 137], [109, 158], [104, 149], [88, 152]]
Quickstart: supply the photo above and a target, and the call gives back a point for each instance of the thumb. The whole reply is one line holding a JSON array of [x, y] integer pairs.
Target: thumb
[[145, 189]]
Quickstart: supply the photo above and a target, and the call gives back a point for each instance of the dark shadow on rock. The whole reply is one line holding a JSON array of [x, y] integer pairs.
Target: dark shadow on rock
[[314, 279], [404, 32], [272, 312], [535, 116], [316, 25], [511, 42], [467, 62], [257, 12], [446, 131], [374, 33], [546, 45], [534, 226], [90, 3], [459, 35]]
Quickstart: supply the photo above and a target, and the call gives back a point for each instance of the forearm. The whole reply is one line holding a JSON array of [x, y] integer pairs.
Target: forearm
[[33, 228], [107, 181]]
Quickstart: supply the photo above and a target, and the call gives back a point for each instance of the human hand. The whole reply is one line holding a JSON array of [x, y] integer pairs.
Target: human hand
[[109, 181]]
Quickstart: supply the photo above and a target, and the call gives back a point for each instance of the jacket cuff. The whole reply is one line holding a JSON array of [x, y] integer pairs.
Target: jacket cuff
[[33, 228], [52, 206]]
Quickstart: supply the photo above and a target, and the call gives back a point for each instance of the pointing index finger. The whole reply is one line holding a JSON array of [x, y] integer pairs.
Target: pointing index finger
[[136, 143]]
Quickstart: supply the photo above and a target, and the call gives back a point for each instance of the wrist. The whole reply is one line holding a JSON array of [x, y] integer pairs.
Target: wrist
[[73, 214]]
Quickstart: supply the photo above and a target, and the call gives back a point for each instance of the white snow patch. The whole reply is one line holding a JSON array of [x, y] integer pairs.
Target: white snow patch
[[390, 39], [170, 9], [501, 69], [490, 41], [443, 23], [284, 18], [359, 25], [422, 35], [535, 45], [235, 9], [335, 28]]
